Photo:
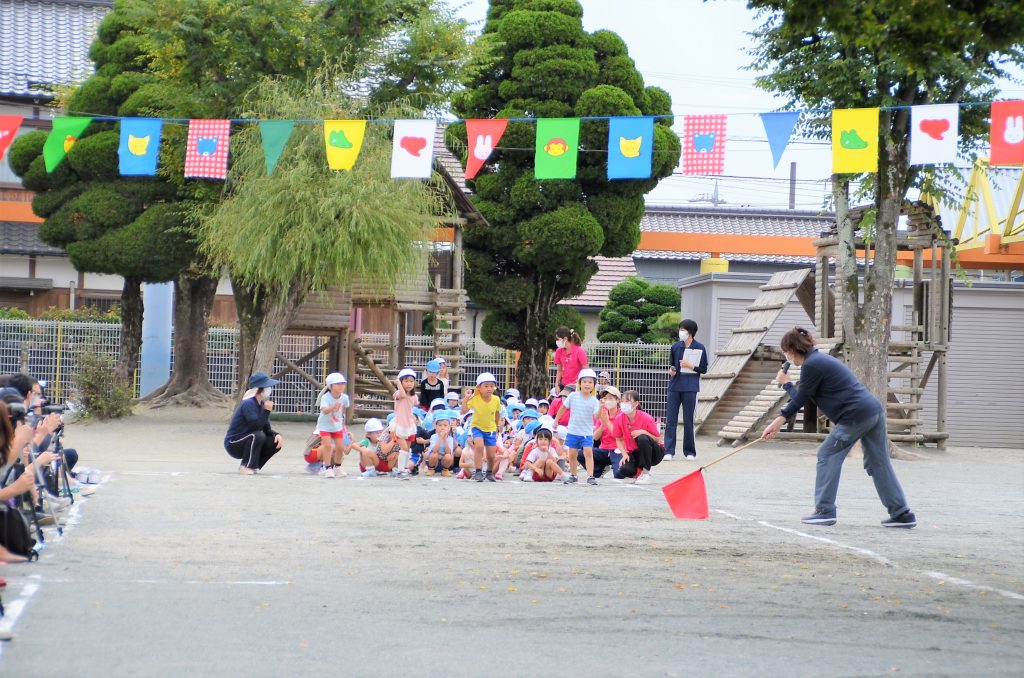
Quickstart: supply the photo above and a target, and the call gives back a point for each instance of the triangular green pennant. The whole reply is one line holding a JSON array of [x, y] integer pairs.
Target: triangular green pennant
[[557, 146], [64, 135], [275, 134]]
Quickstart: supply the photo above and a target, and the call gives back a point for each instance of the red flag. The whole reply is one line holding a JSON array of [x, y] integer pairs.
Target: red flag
[[704, 144], [1007, 133], [482, 136], [687, 496], [9, 125]]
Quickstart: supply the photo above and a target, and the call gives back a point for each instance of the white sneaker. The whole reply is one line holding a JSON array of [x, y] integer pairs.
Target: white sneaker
[[340, 472], [644, 479], [326, 472], [667, 457]]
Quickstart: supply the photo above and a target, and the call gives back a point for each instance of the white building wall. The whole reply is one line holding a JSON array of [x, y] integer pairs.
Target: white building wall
[[12, 266]]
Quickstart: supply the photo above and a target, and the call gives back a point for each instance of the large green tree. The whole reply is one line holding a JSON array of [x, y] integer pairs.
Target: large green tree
[[537, 249], [125, 226], [892, 54], [198, 59]]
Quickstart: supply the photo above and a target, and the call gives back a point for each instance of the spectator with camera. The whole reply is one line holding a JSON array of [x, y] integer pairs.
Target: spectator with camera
[[17, 478]]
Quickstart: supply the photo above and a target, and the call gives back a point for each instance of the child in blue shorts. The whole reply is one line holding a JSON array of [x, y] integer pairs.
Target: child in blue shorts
[[487, 422], [584, 408]]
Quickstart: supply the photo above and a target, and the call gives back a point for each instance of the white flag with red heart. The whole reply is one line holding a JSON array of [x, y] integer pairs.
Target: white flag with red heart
[[412, 151], [933, 134]]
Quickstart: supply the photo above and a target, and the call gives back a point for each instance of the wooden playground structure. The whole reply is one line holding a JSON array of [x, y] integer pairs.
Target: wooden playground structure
[[736, 404], [372, 367]]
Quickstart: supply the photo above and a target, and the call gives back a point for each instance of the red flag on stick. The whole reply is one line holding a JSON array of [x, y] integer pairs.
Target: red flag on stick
[[687, 497]]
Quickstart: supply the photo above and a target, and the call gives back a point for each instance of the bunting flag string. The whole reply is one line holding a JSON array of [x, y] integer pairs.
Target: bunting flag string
[[139, 149], [482, 137], [934, 136], [412, 149], [62, 137], [630, 148], [274, 134], [704, 144], [557, 148], [778, 127], [9, 125], [344, 139], [206, 149], [855, 140]]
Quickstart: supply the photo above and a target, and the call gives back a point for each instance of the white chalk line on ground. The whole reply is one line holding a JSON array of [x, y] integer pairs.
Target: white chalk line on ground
[[882, 560]]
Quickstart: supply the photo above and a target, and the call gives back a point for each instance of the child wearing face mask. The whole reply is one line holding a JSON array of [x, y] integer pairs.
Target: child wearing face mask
[[570, 358], [689, 360]]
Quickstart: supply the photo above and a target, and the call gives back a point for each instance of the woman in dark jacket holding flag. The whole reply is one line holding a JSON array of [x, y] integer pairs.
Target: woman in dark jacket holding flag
[[250, 438], [855, 414]]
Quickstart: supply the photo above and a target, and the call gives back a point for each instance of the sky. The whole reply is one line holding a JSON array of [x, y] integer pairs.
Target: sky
[[696, 51]]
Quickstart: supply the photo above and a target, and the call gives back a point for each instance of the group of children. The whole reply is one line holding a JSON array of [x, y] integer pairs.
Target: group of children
[[481, 436]]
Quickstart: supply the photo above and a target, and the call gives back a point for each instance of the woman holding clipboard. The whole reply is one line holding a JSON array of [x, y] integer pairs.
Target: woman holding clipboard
[[689, 360]]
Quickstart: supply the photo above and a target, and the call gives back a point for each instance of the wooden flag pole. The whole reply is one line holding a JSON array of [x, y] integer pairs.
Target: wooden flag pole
[[738, 449]]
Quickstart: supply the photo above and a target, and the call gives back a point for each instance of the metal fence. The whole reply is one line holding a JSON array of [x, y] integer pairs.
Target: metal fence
[[48, 350]]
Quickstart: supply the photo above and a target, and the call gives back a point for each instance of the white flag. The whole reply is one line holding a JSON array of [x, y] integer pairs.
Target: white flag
[[412, 152], [933, 134]]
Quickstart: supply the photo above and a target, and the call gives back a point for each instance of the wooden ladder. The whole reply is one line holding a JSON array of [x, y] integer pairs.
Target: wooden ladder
[[761, 316], [764, 407]]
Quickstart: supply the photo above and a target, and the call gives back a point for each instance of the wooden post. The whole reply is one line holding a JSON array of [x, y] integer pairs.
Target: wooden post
[[916, 296], [403, 321], [942, 342], [393, 355]]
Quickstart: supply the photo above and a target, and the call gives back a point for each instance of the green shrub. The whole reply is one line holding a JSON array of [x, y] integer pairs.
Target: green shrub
[[83, 314], [100, 393], [14, 314]]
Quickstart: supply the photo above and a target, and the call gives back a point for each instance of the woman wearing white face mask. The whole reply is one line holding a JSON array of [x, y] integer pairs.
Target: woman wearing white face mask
[[570, 358], [689, 360], [250, 438]]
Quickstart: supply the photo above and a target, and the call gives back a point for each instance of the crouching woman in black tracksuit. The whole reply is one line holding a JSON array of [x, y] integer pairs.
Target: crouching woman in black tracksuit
[[250, 438]]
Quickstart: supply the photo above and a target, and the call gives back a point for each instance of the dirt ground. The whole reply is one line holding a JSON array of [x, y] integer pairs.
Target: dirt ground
[[179, 564]]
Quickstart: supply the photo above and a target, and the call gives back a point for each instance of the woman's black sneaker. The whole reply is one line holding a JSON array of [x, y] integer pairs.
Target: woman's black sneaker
[[906, 519]]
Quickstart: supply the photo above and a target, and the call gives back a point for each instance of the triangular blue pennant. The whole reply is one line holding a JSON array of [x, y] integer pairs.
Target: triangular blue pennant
[[139, 150], [630, 143], [779, 127]]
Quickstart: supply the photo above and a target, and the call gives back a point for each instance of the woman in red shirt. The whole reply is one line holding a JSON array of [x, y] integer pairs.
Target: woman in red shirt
[[570, 357], [638, 440]]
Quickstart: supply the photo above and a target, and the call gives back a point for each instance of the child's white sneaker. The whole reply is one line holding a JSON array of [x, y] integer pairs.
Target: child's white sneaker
[[326, 472], [644, 479], [340, 472]]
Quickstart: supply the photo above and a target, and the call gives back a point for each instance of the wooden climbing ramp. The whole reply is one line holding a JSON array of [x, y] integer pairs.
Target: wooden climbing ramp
[[731, 360]]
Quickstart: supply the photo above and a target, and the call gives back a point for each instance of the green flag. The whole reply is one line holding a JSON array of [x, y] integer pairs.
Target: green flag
[[557, 145], [275, 135], [64, 135]]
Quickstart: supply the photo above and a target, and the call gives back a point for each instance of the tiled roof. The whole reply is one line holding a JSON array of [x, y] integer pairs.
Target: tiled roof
[[697, 256], [735, 221], [46, 43], [610, 272], [19, 237]]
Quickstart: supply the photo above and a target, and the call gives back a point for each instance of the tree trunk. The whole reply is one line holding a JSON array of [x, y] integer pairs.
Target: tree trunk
[[264, 320], [190, 380], [867, 325], [131, 329], [532, 373]]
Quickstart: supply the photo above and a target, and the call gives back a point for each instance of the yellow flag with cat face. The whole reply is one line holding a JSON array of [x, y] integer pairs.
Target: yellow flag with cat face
[[343, 138], [854, 140]]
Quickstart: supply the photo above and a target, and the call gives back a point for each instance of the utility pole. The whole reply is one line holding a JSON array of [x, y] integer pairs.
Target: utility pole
[[792, 185]]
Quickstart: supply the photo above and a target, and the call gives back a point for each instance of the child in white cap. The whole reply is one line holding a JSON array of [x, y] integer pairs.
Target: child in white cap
[[487, 421], [331, 426], [404, 426]]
